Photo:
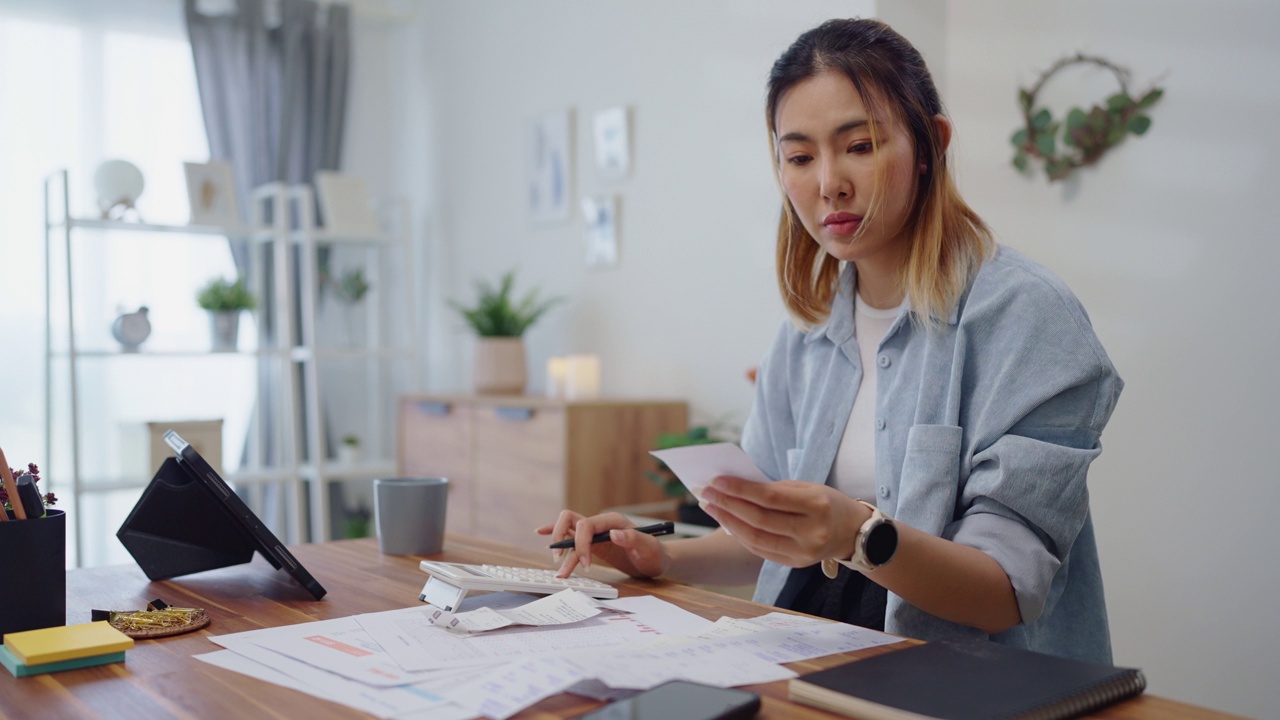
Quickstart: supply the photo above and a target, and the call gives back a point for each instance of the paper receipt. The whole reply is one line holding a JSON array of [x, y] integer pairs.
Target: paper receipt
[[697, 465]]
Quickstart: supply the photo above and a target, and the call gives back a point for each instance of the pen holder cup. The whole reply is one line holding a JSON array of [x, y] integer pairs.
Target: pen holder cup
[[33, 572]]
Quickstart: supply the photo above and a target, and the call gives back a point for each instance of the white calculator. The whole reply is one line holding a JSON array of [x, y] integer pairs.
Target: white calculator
[[450, 582]]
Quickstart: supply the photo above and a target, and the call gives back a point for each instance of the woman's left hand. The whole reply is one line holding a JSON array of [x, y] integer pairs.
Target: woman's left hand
[[789, 522]]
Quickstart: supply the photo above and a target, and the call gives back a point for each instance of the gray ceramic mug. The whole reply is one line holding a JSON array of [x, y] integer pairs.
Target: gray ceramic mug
[[410, 514]]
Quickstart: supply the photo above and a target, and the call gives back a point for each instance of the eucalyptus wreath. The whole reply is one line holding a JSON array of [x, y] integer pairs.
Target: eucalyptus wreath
[[1086, 134]]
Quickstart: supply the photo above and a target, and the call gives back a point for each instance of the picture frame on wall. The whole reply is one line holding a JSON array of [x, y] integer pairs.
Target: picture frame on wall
[[550, 166], [345, 207], [600, 223], [611, 131], [211, 192]]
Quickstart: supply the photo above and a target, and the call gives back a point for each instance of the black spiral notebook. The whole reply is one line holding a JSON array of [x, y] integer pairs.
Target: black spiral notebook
[[966, 680]]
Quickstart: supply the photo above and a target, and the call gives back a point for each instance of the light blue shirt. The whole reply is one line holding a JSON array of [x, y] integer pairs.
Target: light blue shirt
[[985, 428]]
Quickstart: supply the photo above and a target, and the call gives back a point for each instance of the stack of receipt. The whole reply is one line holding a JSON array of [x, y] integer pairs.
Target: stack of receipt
[[422, 663]]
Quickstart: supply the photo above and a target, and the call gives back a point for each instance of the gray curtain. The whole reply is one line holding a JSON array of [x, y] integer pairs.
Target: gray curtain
[[272, 77], [273, 80]]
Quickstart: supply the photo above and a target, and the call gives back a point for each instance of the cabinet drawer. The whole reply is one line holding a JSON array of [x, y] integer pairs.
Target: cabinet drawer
[[436, 440], [519, 466]]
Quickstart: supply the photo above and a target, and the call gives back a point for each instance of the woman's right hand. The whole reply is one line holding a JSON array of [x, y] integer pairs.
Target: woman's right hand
[[634, 553]]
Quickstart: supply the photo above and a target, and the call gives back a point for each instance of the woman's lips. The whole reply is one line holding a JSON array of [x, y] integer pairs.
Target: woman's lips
[[842, 223]]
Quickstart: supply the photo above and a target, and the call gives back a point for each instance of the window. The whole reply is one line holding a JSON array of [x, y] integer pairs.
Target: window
[[82, 82]]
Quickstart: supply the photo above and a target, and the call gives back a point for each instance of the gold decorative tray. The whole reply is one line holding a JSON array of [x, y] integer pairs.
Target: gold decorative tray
[[159, 623]]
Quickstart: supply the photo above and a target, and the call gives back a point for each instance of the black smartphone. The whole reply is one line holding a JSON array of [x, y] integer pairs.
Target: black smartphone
[[681, 700]]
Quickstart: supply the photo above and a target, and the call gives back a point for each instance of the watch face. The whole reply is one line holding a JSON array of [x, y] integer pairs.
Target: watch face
[[880, 543]]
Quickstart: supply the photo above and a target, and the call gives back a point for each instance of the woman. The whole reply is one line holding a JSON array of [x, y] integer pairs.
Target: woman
[[933, 408]]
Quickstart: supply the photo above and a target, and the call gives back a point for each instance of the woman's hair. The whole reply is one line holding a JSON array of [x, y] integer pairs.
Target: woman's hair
[[948, 239]]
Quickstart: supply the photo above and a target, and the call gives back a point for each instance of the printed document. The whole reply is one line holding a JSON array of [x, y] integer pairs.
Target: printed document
[[416, 644]]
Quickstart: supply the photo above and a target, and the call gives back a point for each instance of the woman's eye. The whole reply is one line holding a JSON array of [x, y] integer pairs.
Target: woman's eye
[[799, 159], [860, 148]]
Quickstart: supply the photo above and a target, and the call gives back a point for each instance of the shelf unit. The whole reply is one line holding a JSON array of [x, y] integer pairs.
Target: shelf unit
[[298, 364]]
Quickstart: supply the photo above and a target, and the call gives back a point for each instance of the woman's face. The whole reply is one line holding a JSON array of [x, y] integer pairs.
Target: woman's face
[[828, 167]]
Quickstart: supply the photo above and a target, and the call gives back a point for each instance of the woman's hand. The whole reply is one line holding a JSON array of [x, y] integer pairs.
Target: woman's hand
[[790, 522], [634, 553]]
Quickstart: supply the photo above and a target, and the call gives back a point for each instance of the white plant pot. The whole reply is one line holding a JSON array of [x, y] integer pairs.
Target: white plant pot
[[499, 366], [225, 327], [348, 454]]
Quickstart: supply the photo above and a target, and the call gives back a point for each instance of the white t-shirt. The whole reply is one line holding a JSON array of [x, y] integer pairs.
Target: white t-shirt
[[854, 472]]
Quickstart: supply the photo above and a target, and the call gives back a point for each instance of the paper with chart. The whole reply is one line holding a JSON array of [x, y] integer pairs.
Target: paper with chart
[[506, 690], [357, 661], [783, 638], [339, 646], [401, 703], [412, 639], [698, 465]]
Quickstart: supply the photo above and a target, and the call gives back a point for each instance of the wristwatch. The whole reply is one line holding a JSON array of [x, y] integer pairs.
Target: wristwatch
[[874, 546]]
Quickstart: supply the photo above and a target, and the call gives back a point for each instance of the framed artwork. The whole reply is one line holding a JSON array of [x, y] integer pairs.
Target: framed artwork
[[550, 166], [600, 218], [612, 134], [344, 204], [211, 191]]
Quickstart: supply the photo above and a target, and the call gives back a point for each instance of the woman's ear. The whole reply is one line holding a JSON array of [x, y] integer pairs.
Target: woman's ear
[[943, 126]]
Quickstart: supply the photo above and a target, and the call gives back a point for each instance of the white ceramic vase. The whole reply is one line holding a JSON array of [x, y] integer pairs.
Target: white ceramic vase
[[499, 366]]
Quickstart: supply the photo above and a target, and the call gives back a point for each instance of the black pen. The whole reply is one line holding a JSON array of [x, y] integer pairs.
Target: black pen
[[662, 528]]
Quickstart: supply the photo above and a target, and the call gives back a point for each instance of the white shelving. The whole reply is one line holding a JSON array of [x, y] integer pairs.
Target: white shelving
[[304, 380]]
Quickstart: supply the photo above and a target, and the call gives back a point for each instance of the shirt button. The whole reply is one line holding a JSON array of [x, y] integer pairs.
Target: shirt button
[[884, 491], [884, 361], [879, 423]]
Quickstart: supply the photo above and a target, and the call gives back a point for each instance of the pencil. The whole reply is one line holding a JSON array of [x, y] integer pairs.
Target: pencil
[[11, 487]]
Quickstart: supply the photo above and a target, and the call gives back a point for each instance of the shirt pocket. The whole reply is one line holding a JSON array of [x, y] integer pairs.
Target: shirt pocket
[[930, 477]]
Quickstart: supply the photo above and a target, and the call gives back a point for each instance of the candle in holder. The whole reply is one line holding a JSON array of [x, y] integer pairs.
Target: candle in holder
[[582, 377], [557, 376]]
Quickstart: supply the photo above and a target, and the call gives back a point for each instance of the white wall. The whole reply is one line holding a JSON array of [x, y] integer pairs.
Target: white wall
[[692, 303], [1165, 243], [1170, 244]]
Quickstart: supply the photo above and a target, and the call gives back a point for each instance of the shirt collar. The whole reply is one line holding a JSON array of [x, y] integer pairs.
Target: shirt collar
[[839, 326]]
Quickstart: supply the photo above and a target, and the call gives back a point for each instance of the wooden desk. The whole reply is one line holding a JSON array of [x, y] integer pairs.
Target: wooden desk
[[161, 680]]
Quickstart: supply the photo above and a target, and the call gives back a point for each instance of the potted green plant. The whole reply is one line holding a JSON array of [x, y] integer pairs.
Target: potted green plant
[[349, 450], [356, 523], [499, 322], [225, 300], [687, 509]]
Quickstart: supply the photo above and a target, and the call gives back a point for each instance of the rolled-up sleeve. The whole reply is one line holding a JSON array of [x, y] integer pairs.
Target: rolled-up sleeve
[[1026, 498]]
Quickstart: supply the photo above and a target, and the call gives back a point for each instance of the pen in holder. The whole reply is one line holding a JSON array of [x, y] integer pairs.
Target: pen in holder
[[33, 572]]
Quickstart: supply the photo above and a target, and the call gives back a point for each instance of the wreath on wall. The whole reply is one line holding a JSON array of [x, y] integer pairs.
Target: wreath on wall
[[1086, 135]]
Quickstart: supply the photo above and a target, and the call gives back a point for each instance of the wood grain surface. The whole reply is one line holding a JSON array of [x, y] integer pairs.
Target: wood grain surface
[[160, 679]]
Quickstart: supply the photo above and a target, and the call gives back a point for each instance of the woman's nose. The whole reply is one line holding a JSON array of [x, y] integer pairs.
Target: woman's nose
[[836, 184]]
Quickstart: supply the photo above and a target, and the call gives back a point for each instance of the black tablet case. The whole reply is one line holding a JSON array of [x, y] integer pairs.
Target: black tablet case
[[180, 526]]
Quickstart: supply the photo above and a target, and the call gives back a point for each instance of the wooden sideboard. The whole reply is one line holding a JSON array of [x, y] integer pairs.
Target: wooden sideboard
[[513, 462]]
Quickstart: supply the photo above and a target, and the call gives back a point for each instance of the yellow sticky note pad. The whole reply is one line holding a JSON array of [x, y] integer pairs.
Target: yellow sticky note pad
[[55, 644]]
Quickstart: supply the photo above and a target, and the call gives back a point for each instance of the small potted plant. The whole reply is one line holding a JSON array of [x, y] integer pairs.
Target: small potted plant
[[225, 300], [350, 288], [356, 523], [349, 450], [500, 323], [687, 509]]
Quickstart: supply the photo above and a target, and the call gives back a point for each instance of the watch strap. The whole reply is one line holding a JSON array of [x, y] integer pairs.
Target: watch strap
[[858, 561]]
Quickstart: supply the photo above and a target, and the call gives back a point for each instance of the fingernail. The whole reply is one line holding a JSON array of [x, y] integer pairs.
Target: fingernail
[[615, 535], [709, 495]]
